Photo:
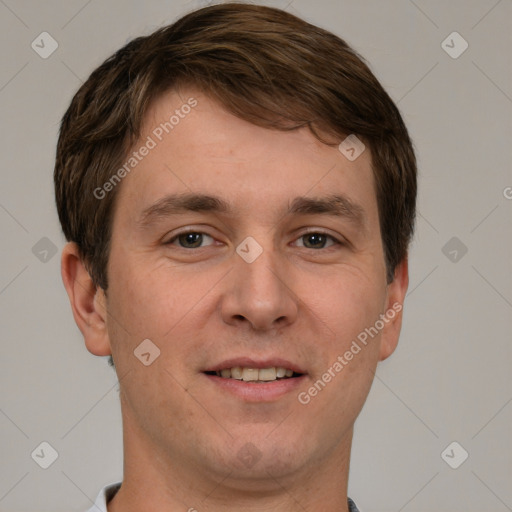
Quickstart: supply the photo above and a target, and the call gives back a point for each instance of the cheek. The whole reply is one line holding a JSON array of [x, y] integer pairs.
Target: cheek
[[161, 302], [349, 349], [348, 303], [144, 305], [349, 354], [151, 299]]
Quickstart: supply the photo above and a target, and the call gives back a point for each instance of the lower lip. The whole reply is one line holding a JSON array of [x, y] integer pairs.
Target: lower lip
[[257, 392]]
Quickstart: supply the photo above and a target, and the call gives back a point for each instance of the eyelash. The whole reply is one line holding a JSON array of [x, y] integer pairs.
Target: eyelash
[[312, 232]]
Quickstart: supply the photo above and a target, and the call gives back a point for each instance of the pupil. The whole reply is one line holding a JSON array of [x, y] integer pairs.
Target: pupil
[[317, 238], [193, 239]]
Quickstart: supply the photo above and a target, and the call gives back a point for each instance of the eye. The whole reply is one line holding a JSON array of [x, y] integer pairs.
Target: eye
[[317, 240], [189, 239], [196, 239]]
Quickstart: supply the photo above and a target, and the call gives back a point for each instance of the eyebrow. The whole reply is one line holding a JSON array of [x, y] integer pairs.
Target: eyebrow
[[335, 204]]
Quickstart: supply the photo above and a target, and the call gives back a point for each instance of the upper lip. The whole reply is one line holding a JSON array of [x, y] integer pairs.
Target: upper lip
[[247, 362]]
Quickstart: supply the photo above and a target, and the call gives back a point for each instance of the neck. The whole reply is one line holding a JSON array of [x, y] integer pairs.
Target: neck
[[157, 481]]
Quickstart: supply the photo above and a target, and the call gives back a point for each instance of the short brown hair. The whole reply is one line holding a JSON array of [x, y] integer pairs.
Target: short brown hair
[[263, 65]]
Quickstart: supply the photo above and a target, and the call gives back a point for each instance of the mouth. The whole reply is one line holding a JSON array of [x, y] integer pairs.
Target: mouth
[[256, 375], [256, 381]]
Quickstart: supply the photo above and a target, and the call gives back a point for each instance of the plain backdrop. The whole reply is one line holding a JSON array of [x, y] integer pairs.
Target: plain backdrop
[[449, 380]]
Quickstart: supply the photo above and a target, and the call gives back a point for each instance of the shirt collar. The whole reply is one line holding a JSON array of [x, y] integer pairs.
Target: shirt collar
[[105, 495]]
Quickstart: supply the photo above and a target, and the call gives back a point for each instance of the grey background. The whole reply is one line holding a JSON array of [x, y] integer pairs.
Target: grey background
[[450, 378]]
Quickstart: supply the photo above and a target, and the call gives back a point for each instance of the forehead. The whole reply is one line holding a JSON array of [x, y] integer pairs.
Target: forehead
[[197, 147]]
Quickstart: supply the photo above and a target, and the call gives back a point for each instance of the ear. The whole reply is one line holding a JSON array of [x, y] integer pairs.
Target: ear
[[393, 309], [88, 302]]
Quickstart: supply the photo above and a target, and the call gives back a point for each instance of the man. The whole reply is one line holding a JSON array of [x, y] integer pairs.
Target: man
[[238, 192]]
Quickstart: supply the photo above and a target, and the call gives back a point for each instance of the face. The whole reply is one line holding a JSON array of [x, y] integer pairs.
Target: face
[[282, 270]]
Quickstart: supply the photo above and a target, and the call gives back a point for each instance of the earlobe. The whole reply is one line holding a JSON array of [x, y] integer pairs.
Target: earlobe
[[394, 310], [87, 301]]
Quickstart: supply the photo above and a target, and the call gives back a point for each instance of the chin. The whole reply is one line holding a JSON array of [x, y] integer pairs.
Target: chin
[[263, 452]]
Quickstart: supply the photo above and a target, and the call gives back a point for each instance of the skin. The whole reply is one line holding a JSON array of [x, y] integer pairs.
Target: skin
[[301, 299]]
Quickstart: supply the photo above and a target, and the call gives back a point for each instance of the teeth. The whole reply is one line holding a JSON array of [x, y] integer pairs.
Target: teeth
[[280, 372], [267, 374], [255, 374], [249, 374], [236, 372], [225, 373]]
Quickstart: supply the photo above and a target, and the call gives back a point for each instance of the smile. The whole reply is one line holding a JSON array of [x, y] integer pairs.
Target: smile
[[256, 375]]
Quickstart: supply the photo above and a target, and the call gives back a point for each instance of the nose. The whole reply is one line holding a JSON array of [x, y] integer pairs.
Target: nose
[[260, 293]]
